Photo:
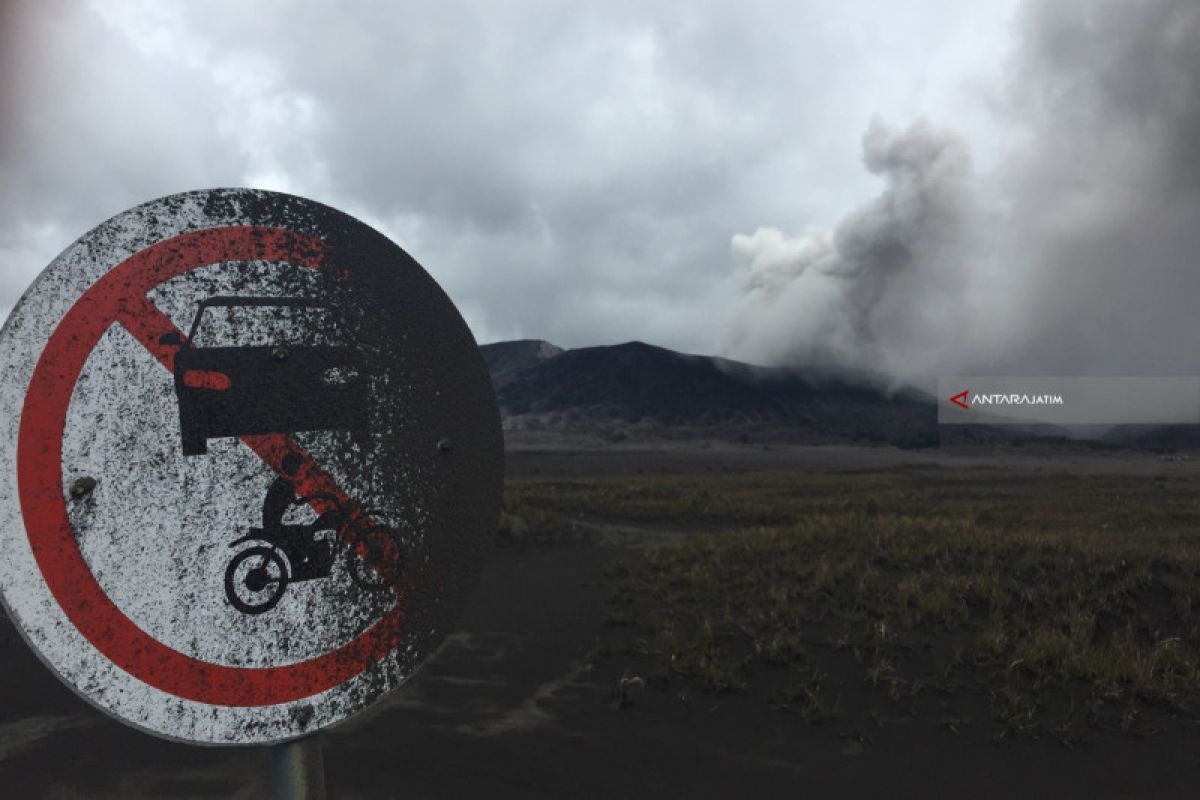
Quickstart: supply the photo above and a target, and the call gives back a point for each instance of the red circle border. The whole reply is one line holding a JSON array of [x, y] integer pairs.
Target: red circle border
[[43, 504]]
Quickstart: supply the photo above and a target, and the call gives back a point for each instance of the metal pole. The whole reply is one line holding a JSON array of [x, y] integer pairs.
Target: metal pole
[[298, 770]]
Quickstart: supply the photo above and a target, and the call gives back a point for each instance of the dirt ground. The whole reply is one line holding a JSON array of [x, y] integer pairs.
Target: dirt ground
[[513, 706], [540, 459]]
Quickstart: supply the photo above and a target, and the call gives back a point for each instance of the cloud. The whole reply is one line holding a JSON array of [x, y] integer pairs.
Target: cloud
[[569, 173], [1074, 252]]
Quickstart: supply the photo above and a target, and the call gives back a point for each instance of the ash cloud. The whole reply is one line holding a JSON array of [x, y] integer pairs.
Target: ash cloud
[[1076, 252], [564, 173], [846, 296], [577, 176]]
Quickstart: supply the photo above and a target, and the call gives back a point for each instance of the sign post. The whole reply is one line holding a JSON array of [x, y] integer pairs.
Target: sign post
[[250, 465], [297, 770]]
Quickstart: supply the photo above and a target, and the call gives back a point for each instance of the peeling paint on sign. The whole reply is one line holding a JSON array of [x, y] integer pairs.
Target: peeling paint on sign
[[229, 511]]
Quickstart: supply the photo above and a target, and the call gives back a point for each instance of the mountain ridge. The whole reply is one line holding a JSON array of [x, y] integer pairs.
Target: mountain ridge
[[639, 390]]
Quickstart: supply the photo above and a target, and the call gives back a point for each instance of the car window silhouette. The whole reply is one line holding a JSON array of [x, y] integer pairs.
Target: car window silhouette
[[230, 325]]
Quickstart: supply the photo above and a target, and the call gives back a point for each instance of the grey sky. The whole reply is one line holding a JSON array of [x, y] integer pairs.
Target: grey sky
[[914, 189], [570, 173]]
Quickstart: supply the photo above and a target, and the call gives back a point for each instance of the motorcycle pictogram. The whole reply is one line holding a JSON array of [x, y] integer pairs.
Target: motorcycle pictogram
[[257, 576]]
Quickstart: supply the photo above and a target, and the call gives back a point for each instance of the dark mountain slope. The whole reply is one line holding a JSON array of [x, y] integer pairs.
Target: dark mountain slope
[[638, 388], [506, 359]]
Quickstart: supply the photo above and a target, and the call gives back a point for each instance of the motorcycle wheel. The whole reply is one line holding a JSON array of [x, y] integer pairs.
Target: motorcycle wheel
[[364, 561], [255, 588]]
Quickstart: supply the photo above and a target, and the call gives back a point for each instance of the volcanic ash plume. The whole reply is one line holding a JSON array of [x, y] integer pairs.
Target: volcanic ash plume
[[1075, 254], [842, 297]]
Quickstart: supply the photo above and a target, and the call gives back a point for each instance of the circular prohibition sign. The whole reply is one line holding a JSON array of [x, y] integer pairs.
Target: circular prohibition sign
[[345, 251]]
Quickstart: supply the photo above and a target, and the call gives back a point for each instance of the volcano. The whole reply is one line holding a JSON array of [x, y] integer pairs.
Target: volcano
[[637, 390]]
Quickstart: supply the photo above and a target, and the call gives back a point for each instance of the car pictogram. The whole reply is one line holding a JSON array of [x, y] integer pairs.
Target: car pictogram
[[260, 365]]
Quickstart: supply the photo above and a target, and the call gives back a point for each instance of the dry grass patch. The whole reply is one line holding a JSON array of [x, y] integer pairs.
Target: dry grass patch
[[1065, 601]]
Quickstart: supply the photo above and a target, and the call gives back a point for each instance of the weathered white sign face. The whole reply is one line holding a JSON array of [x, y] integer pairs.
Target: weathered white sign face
[[250, 462]]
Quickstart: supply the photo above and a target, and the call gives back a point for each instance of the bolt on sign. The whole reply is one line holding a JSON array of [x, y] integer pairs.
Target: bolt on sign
[[250, 464]]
